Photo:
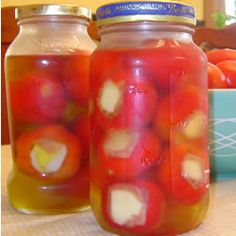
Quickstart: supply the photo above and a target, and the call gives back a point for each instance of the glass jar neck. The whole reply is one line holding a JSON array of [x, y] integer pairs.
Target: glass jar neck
[[42, 23], [132, 33]]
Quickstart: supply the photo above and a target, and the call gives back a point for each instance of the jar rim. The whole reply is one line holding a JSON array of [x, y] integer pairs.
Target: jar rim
[[26, 11], [164, 11]]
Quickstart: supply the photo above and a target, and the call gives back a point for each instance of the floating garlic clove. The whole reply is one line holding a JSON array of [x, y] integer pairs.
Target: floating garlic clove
[[47, 155], [120, 143], [195, 125], [110, 97], [192, 169], [127, 205]]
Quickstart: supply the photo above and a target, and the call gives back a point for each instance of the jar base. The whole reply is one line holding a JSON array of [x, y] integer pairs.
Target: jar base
[[178, 219], [28, 195], [52, 211]]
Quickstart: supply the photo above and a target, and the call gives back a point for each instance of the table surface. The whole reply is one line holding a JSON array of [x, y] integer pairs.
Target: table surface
[[220, 220]]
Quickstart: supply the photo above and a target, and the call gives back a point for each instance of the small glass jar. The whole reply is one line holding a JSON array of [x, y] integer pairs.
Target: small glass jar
[[149, 117], [47, 68]]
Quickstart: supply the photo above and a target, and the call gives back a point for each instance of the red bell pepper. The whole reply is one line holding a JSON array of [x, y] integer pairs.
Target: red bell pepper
[[37, 98], [184, 173], [135, 207], [125, 154], [48, 153], [124, 99]]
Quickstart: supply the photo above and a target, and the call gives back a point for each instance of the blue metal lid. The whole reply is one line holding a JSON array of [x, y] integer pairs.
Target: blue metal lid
[[146, 11]]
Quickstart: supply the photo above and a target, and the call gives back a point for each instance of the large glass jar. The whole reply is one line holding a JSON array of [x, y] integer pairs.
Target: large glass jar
[[47, 69], [149, 160]]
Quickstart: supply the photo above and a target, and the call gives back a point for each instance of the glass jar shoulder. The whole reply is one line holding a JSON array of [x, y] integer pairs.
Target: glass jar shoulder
[[150, 51], [46, 42]]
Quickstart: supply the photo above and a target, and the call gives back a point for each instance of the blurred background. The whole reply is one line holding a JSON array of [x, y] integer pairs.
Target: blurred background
[[208, 11]]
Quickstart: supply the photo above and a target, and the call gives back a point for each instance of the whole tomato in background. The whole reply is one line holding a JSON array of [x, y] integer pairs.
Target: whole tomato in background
[[218, 55], [75, 78], [216, 78], [229, 69], [221, 68]]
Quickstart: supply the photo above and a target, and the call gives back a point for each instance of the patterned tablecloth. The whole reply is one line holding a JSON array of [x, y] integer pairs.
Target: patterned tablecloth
[[220, 220]]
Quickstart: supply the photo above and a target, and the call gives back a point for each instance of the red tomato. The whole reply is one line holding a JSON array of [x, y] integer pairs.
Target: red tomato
[[36, 98], [125, 100], [124, 154], [111, 60], [229, 70], [146, 213], [76, 78], [184, 173], [216, 78], [219, 55], [177, 107], [50, 64], [170, 63], [44, 145]]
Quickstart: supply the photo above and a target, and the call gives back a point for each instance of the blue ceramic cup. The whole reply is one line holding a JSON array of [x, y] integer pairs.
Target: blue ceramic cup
[[222, 133]]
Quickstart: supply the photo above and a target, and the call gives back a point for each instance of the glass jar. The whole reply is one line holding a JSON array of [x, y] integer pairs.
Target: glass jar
[[47, 69], [149, 115]]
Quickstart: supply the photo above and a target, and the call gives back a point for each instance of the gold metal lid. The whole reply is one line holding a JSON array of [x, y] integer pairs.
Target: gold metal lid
[[162, 10], [52, 10]]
